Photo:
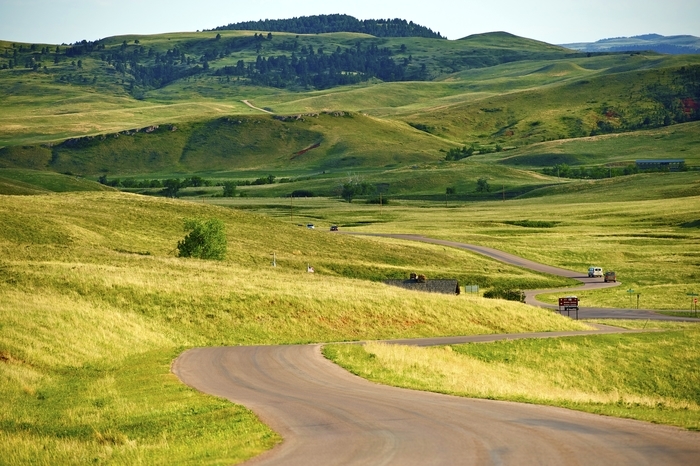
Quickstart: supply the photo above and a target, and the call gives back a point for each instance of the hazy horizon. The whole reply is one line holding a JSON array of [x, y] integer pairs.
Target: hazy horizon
[[552, 21]]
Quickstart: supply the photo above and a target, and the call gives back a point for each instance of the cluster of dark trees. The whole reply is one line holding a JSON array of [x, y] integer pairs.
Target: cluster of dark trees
[[83, 47], [150, 68], [464, 152], [351, 190], [321, 24], [323, 70], [170, 187], [592, 173], [194, 181], [459, 154]]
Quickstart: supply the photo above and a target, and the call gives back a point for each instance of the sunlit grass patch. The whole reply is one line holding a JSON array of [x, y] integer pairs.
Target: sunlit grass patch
[[94, 306], [649, 376], [131, 413]]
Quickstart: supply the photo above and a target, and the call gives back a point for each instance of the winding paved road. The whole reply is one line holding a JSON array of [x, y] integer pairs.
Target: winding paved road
[[530, 295], [328, 416]]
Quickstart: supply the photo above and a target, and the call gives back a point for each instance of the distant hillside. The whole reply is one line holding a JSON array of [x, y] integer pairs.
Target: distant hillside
[[316, 142], [137, 64], [321, 24], [674, 45]]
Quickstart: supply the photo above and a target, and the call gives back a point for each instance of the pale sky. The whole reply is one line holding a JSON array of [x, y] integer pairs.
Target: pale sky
[[553, 21]]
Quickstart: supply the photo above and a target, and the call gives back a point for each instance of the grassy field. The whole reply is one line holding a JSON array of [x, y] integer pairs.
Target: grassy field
[[312, 143], [674, 142], [27, 182], [649, 376], [645, 227], [95, 306]]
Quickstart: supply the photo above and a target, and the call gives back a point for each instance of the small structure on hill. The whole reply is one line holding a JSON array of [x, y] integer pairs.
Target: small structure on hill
[[661, 164], [421, 283]]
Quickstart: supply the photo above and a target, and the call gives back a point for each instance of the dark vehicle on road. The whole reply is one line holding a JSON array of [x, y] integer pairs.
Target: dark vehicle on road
[[610, 277], [334, 227]]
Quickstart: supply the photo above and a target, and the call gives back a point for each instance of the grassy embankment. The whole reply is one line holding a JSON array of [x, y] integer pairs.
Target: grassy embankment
[[645, 227], [238, 146], [650, 376], [29, 182], [95, 306]]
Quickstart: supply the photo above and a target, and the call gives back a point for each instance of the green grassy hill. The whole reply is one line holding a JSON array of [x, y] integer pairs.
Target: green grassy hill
[[671, 142], [312, 142], [24, 182], [95, 305], [616, 99], [171, 105]]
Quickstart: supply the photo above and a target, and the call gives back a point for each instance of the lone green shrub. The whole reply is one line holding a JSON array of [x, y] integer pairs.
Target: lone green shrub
[[205, 240], [502, 293]]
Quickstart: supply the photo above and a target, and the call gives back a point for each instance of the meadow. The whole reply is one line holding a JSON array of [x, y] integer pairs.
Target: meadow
[[95, 306], [645, 227]]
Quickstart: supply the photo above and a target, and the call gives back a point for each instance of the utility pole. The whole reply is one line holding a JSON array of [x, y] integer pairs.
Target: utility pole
[[291, 208]]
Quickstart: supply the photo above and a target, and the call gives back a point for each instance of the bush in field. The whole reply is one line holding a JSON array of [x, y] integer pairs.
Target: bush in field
[[206, 239], [503, 293], [229, 188], [482, 185]]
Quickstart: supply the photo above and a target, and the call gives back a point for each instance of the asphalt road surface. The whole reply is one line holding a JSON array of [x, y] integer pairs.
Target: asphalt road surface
[[328, 416]]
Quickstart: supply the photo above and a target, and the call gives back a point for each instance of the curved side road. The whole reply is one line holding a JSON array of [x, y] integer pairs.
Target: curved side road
[[328, 416], [530, 295]]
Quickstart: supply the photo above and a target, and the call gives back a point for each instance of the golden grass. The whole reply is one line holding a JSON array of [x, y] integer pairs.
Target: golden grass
[[455, 373], [649, 242], [651, 376], [94, 305]]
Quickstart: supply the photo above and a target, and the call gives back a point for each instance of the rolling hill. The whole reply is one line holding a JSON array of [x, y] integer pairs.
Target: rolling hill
[[339, 102], [678, 45]]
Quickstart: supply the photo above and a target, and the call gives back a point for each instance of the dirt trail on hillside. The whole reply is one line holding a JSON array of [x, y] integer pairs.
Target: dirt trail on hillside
[[257, 108]]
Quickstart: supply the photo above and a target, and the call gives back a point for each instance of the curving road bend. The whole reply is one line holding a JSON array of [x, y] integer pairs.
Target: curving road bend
[[328, 416]]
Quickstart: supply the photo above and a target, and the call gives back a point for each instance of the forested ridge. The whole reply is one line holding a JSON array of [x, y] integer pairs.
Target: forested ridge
[[320, 24]]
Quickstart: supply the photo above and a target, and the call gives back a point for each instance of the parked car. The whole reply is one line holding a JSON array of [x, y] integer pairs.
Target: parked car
[[595, 272], [310, 226], [610, 277], [334, 227]]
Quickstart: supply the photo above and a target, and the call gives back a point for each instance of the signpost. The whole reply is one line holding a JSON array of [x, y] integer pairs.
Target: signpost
[[568, 304], [694, 302]]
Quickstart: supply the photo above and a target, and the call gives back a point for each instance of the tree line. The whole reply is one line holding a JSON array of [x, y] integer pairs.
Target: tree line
[[323, 70], [597, 173], [321, 24]]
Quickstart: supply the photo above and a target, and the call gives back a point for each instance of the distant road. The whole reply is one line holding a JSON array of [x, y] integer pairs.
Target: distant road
[[530, 295], [256, 108]]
